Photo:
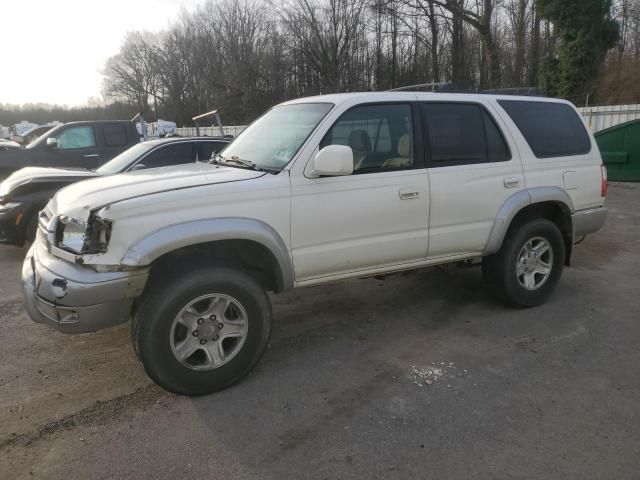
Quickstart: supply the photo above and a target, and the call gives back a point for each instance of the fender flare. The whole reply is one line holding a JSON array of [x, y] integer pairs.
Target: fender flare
[[173, 237], [515, 203]]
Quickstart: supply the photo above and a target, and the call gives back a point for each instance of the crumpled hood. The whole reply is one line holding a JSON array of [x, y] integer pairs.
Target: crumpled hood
[[9, 145], [41, 175], [79, 199]]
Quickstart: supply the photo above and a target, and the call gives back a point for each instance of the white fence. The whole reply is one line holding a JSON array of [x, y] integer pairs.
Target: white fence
[[599, 118], [211, 131]]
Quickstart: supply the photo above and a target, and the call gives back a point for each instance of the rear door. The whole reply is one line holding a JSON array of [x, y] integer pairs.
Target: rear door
[[473, 169], [114, 141]]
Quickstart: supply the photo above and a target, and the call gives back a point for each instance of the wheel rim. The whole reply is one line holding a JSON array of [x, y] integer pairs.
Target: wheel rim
[[209, 331], [535, 263]]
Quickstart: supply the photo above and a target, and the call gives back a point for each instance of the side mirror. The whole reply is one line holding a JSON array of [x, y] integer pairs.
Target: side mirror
[[52, 142], [332, 161], [18, 139], [138, 166]]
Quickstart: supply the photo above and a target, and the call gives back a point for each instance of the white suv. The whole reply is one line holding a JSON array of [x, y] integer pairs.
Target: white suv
[[316, 190]]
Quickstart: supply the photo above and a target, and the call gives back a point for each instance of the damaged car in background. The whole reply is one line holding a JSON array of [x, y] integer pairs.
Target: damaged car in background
[[25, 192]]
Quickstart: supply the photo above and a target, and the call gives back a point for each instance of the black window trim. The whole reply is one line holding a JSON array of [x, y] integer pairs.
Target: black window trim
[[453, 163], [418, 149], [542, 157]]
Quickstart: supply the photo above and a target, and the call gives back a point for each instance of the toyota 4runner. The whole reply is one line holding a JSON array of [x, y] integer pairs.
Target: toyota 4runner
[[316, 190]]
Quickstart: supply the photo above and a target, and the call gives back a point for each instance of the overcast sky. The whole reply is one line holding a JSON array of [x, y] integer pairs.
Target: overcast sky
[[53, 50]]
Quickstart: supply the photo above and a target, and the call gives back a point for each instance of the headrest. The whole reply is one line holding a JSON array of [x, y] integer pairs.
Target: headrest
[[359, 141], [404, 146]]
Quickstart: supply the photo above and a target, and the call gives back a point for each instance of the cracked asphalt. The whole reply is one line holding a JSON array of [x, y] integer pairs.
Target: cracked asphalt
[[420, 375]]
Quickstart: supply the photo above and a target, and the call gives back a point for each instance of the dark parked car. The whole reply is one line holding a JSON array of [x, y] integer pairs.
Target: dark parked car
[[76, 144], [28, 190]]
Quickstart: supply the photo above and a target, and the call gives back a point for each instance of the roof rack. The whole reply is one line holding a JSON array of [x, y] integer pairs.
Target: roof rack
[[212, 113]]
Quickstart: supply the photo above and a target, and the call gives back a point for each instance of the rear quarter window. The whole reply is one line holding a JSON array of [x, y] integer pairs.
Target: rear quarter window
[[551, 129]]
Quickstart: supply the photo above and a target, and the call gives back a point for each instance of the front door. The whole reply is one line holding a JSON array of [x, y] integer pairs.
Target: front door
[[76, 147], [376, 217]]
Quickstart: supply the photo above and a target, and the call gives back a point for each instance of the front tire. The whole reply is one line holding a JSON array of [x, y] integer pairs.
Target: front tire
[[528, 266], [202, 331], [31, 229]]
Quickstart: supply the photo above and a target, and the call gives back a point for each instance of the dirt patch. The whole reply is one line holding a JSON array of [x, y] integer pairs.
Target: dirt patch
[[96, 414]]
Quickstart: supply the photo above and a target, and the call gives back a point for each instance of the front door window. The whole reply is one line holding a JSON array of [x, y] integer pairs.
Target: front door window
[[76, 137], [381, 137]]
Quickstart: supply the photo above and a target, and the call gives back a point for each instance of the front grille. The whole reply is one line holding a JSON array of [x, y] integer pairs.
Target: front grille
[[44, 218]]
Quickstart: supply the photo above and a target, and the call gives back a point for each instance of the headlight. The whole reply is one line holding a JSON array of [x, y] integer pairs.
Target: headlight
[[83, 237], [72, 234]]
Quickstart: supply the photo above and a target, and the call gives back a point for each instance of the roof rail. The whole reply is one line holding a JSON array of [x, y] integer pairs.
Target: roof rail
[[448, 87], [434, 86], [524, 91]]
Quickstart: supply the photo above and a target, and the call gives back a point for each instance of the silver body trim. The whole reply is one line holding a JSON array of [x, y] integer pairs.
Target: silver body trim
[[517, 202], [588, 221], [173, 237]]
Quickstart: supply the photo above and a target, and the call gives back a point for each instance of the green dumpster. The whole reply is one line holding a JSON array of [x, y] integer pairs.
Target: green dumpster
[[620, 149]]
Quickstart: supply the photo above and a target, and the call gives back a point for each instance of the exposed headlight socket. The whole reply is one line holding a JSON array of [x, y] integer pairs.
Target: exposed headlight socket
[[70, 234], [83, 238]]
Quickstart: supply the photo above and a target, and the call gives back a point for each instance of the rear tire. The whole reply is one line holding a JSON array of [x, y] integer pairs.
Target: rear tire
[[222, 316], [528, 266]]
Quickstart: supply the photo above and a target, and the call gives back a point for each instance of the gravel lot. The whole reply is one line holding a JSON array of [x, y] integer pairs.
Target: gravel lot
[[416, 376]]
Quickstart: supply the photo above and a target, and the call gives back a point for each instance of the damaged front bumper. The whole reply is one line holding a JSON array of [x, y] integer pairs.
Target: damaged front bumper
[[74, 298]]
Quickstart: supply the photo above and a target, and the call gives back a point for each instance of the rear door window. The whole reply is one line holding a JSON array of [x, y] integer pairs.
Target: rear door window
[[462, 133], [114, 135], [168, 155], [207, 149], [551, 129]]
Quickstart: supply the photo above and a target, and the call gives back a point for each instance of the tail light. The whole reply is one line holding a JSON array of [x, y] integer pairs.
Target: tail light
[[603, 187]]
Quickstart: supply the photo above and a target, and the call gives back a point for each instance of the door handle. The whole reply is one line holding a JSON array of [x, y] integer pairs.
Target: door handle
[[91, 155], [511, 182], [408, 194]]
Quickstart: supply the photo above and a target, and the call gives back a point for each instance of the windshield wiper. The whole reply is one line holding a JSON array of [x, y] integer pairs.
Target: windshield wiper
[[219, 159], [242, 161]]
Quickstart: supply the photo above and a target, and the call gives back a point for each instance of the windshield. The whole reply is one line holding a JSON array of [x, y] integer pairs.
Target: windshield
[[122, 161], [36, 140], [271, 141]]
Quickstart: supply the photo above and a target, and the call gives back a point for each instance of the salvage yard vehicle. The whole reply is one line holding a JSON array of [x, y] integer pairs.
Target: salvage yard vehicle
[[25, 192], [74, 144], [21, 141], [316, 190], [32, 134]]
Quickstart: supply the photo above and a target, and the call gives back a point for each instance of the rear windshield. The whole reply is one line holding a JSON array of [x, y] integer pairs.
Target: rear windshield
[[551, 129]]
